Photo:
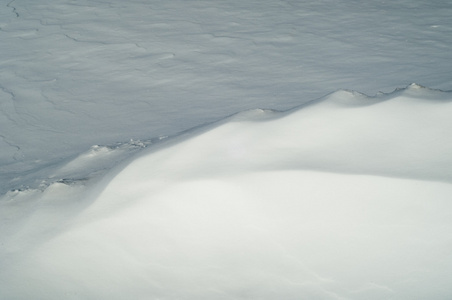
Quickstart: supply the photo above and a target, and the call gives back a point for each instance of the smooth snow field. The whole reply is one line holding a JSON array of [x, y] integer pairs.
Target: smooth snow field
[[220, 149]]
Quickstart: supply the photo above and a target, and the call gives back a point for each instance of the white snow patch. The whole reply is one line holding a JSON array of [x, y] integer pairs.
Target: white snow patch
[[334, 200]]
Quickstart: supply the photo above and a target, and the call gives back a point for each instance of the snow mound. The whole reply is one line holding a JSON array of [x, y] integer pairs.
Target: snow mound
[[398, 135], [347, 197]]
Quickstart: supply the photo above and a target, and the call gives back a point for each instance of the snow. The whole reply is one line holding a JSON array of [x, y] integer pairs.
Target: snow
[[219, 149], [151, 68], [347, 197]]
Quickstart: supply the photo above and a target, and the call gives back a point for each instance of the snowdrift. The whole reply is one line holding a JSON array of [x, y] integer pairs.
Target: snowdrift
[[346, 197]]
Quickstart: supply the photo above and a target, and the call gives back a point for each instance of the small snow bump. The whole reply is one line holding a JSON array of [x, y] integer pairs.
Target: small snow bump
[[415, 86], [252, 114]]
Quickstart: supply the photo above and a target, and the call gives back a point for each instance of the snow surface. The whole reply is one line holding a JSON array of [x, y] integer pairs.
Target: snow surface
[[173, 149], [77, 73], [346, 197]]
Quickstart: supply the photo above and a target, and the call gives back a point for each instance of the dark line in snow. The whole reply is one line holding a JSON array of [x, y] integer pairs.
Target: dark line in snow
[[90, 42], [20, 115], [102, 43], [6, 91], [13, 8], [18, 149], [70, 37]]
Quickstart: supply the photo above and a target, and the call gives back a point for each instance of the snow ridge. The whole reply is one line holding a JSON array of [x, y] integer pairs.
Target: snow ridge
[[95, 162], [81, 169], [346, 197]]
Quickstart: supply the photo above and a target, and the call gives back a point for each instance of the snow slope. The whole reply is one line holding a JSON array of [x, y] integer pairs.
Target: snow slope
[[105, 192], [77, 73], [346, 197]]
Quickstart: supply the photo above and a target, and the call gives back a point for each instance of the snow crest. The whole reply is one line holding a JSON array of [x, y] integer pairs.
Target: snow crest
[[80, 169], [346, 197]]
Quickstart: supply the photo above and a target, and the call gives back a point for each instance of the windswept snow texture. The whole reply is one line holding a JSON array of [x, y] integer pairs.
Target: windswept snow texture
[[89, 165], [118, 181], [77, 73], [346, 197]]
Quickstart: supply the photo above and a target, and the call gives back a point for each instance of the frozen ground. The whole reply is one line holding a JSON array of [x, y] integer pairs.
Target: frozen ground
[[109, 190]]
